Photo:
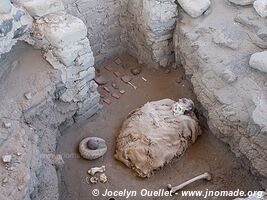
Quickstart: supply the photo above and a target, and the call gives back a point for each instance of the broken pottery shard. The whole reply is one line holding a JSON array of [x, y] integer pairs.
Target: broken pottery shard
[[152, 136], [118, 61], [107, 101], [116, 95], [90, 154], [109, 68], [126, 78], [117, 74], [195, 8], [101, 80], [136, 71], [106, 89]]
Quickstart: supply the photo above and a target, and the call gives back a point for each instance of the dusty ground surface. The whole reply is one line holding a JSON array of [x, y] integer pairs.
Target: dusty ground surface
[[207, 154]]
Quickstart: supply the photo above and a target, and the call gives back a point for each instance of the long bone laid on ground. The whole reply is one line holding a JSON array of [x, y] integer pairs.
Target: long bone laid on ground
[[206, 176]]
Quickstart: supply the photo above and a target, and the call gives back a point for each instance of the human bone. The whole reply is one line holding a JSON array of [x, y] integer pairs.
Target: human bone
[[95, 170], [94, 180], [183, 105], [152, 136], [206, 176], [103, 178]]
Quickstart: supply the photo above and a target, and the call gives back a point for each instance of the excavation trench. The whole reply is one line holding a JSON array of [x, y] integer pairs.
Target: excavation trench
[[207, 154]]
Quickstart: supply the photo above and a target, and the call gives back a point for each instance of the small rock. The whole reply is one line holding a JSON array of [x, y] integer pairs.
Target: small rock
[[106, 89], [20, 188], [163, 62], [101, 80], [94, 180], [136, 71], [98, 70], [19, 154], [7, 125], [92, 144], [103, 178], [242, 2], [28, 95], [114, 85], [117, 74], [109, 68], [167, 71], [122, 91], [179, 78], [195, 8], [174, 66], [126, 78], [107, 101], [116, 95], [7, 158], [10, 168], [259, 61], [118, 61], [58, 161], [261, 7], [24, 146], [4, 180]]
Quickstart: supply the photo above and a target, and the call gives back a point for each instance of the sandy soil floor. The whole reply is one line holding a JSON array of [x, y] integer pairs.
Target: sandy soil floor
[[207, 154]]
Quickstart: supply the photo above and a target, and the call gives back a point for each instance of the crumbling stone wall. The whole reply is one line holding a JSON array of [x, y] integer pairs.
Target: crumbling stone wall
[[215, 50], [141, 28], [68, 94], [102, 19], [149, 26]]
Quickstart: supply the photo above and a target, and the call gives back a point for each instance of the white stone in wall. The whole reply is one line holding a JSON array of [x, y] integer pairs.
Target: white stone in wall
[[39, 8], [242, 2], [5, 6], [261, 7], [259, 61], [67, 29], [195, 8]]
